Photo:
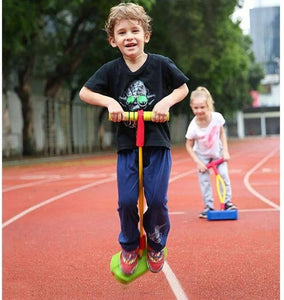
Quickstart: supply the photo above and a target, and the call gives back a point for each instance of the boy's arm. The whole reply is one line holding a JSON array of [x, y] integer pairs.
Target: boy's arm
[[189, 147], [161, 109], [115, 110], [223, 139]]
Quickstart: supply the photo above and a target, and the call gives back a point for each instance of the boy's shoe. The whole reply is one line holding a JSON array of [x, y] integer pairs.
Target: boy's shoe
[[128, 261], [203, 214], [155, 260], [230, 206]]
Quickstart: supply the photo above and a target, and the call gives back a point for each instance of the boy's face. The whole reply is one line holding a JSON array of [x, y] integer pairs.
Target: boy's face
[[130, 38]]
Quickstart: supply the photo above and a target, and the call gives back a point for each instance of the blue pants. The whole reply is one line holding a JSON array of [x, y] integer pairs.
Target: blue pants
[[157, 164]]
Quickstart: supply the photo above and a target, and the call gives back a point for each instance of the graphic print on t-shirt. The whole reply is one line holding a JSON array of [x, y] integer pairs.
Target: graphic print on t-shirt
[[136, 97], [210, 138]]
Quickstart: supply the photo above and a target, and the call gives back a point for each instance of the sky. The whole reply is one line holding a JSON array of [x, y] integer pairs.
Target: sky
[[243, 13]]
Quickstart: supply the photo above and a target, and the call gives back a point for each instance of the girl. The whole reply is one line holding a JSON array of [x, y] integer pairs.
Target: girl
[[206, 141]]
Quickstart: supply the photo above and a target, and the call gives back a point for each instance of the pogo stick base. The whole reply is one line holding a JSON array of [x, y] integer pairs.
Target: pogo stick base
[[142, 268], [213, 215]]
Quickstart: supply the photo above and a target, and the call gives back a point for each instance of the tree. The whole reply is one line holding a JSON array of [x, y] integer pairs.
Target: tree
[[64, 43], [22, 23], [48, 39], [209, 47]]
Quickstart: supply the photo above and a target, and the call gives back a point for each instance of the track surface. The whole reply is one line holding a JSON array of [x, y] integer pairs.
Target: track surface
[[60, 229]]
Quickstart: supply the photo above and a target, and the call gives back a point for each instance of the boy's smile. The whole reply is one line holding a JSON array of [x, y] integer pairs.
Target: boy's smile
[[129, 45]]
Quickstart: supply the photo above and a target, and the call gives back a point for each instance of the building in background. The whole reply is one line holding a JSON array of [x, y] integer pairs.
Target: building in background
[[263, 118], [265, 34]]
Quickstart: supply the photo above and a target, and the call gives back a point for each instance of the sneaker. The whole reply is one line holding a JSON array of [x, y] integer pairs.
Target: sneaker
[[203, 214], [155, 260], [230, 206], [128, 261]]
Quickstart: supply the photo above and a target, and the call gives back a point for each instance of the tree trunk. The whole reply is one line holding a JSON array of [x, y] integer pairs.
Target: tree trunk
[[7, 126], [23, 91]]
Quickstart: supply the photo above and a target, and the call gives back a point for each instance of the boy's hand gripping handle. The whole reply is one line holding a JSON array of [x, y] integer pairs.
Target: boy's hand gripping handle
[[133, 116]]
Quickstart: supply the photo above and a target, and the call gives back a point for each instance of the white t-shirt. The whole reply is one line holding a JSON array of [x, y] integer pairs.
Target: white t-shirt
[[207, 140]]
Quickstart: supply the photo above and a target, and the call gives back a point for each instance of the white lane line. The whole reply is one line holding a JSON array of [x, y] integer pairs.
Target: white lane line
[[59, 177], [177, 213], [267, 183], [251, 189], [259, 210], [52, 199], [182, 160], [24, 185], [174, 283], [25, 212], [181, 175], [170, 276], [50, 179]]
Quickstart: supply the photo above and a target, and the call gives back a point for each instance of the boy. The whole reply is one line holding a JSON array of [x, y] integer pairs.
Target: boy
[[135, 81]]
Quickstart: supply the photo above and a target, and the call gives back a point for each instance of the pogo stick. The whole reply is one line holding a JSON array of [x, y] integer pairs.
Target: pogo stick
[[221, 214], [142, 267]]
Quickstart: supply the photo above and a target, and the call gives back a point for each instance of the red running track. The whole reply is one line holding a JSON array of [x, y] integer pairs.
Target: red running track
[[60, 229]]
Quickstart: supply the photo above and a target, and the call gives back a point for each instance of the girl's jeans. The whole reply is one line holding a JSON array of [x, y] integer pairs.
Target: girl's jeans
[[205, 183]]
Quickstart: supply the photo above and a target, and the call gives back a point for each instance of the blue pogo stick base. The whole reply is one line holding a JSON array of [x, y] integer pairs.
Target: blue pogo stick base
[[222, 215]]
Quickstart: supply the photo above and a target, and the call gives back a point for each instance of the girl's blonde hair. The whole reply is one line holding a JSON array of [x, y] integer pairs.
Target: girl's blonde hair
[[203, 92], [128, 11]]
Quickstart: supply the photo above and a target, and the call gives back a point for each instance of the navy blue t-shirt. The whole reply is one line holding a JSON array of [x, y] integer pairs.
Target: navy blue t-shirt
[[141, 89]]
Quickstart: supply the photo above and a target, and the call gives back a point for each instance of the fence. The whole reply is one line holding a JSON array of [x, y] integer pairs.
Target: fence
[[63, 128], [259, 121], [60, 127], [81, 128], [73, 128]]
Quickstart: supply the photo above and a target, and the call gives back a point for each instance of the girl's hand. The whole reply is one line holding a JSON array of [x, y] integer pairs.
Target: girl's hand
[[201, 167], [226, 155]]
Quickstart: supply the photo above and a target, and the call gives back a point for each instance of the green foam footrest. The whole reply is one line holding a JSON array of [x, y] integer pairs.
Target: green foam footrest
[[141, 267]]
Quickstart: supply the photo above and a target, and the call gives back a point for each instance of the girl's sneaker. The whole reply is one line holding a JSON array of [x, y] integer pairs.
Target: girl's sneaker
[[203, 214], [155, 260], [230, 206], [128, 261]]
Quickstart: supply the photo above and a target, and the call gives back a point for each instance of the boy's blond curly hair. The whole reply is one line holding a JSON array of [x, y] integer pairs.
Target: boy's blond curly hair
[[129, 11]]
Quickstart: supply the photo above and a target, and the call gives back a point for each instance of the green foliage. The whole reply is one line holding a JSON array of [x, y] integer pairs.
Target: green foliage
[[147, 4], [256, 73], [68, 44], [201, 38]]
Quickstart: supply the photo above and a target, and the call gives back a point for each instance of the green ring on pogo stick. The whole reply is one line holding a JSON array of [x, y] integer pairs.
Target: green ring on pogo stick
[[142, 261], [221, 214]]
